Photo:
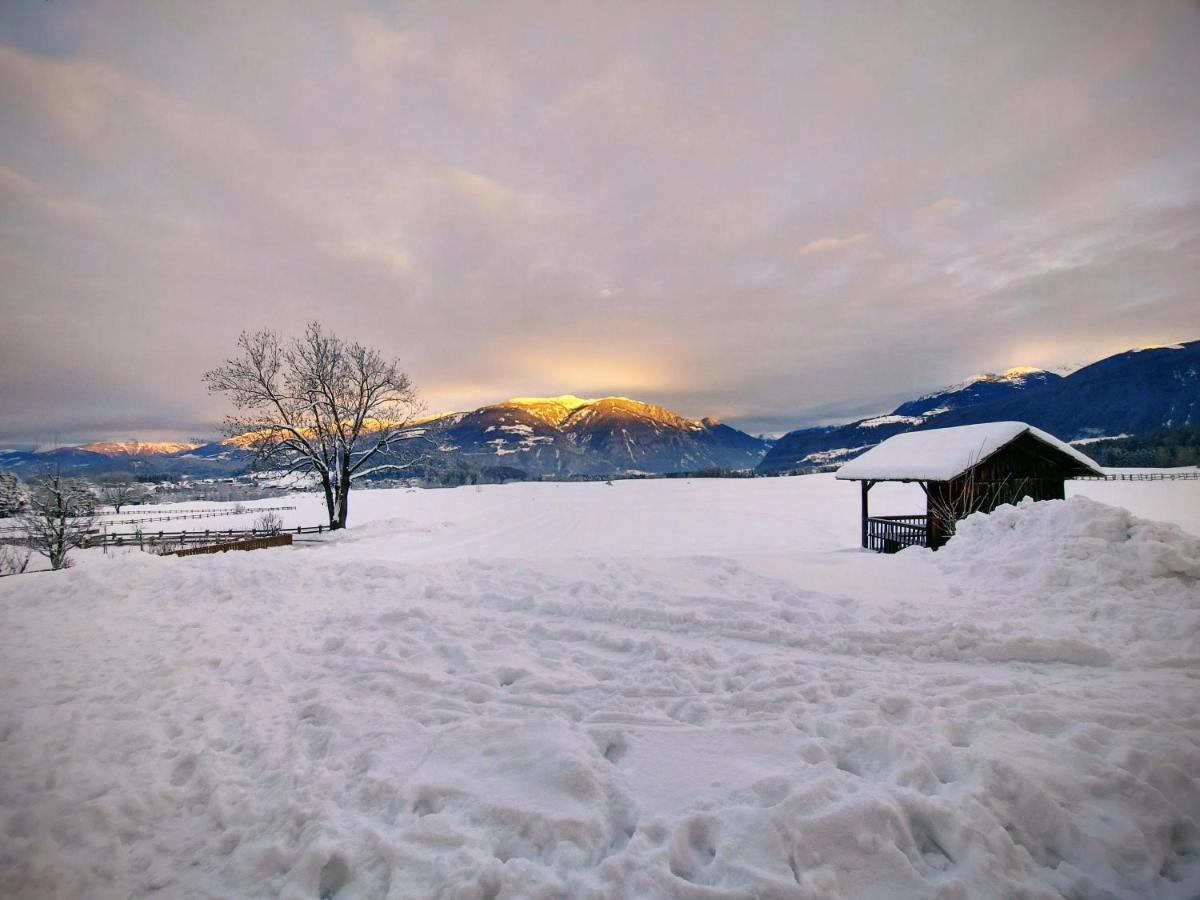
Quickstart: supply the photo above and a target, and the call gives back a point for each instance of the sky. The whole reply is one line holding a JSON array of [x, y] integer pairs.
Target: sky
[[772, 213]]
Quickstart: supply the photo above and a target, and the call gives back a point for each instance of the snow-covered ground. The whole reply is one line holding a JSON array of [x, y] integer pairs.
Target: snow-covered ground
[[648, 689]]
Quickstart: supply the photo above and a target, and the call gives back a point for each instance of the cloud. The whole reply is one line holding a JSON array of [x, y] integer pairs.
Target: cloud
[[388, 256], [379, 49], [820, 245], [490, 195], [567, 200], [941, 208]]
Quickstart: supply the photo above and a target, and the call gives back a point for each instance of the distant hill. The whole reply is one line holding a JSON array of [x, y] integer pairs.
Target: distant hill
[[1131, 393], [568, 435], [535, 436], [212, 460], [812, 447], [140, 448]]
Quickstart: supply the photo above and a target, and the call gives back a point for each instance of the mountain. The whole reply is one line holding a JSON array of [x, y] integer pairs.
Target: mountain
[[1131, 393], [536, 436], [568, 435], [833, 444], [977, 389], [27, 463], [213, 460], [139, 448]]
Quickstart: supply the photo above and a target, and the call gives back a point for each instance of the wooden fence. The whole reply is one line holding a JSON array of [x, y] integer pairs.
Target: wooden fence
[[144, 539], [165, 517], [278, 540], [168, 515], [1141, 476]]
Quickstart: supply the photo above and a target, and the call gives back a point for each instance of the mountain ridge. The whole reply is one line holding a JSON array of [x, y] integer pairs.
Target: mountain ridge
[[1129, 393], [561, 436]]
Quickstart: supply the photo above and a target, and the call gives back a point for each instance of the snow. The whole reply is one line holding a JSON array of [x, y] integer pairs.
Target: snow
[[651, 689], [567, 401], [891, 420], [1083, 442], [1016, 374], [941, 454], [1021, 371]]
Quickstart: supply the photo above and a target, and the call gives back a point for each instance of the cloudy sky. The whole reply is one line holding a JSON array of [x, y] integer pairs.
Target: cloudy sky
[[768, 212]]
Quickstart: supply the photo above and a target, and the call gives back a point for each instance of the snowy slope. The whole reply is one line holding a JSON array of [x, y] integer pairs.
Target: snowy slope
[[653, 689]]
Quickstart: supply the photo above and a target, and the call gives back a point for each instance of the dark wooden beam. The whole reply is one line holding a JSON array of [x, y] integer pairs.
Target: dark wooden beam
[[866, 513]]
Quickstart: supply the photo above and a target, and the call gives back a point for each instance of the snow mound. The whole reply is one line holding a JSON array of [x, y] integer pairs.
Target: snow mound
[[1089, 579]]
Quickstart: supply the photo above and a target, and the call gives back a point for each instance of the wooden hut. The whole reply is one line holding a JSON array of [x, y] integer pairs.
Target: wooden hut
[[971, 468]]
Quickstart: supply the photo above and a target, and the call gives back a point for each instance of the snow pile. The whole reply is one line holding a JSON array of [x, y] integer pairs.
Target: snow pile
[[1078, 570]]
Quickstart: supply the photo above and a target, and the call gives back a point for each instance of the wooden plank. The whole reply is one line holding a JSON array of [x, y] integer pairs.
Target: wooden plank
[[263, 543]]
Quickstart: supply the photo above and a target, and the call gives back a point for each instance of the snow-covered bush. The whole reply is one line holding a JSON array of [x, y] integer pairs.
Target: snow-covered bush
[[14, 559], [13, 495]]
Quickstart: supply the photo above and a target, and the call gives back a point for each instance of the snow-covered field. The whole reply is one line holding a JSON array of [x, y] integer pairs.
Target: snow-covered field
[[648, 689]]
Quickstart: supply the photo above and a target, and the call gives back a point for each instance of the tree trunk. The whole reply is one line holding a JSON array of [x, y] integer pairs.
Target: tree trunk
[[343, 494], [330, 509]]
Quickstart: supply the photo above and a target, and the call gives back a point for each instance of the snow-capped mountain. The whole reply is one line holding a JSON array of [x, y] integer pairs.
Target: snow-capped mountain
[[977, 389], [1131, 393], [1127, 394], [551, 436], [569, 435], [140, 448]]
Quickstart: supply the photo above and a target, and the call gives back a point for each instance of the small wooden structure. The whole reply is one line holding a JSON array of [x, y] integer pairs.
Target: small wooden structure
[[970, 468]]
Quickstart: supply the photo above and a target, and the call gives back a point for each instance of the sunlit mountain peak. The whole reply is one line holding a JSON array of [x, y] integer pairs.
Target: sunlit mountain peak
[[139, 448], [569, 401]]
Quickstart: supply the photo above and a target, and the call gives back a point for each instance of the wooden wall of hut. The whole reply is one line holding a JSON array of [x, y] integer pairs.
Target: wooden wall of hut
[[1025, 468]]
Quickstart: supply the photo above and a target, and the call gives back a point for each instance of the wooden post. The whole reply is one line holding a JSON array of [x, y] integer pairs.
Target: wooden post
[[866, 513]]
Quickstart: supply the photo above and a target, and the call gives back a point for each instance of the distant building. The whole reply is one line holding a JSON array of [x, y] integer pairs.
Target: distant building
[[971, 468]]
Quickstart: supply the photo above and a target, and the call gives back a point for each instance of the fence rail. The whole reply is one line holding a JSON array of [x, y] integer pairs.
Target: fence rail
[[192, 538], [1141, 476], [887, 534], [168, 515]]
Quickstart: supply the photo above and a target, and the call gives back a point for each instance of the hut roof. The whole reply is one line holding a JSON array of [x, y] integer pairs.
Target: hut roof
[[942, 454]]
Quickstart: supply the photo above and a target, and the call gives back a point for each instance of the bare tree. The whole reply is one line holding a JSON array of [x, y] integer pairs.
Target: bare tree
[[121, 490], [60, 514], [317, 404], [269, 523]]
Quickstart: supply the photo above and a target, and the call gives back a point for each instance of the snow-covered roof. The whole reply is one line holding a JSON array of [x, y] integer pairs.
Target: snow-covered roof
[[940, 454]]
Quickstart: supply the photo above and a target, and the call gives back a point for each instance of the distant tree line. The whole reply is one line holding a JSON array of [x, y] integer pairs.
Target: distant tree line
[[1163, 449]]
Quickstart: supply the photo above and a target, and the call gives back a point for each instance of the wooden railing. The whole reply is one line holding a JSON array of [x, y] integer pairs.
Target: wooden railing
[[262, 543], [145, 539], [167, 515], [1141, 476], [887, 534]]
